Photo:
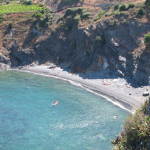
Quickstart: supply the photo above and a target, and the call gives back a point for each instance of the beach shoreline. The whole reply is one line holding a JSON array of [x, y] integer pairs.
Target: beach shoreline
[[119, 93]]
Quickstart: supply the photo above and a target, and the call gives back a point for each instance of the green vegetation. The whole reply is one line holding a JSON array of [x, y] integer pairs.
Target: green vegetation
[[108, 6], [99, 15], [18, 8], [10, 25], [1, 18], [116, 6], [76, 14], [73, 12], [123, 7], [100, 40], [131, 5], [85, 14], [142, 12], [77, 18], [147, 2], [147, 41], [136, 131], [44, 16]]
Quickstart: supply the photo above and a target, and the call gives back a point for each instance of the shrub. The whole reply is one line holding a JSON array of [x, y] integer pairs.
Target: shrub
[[100, 39], [7, 2], [116, 6], [10, 25], [147, 39], [142, 12], [48, 20], [1, 18], [38, 15], [69, 28], [34, 22], [77, 18], [29, 3], [108, 6], [124, 22], [136, 131], [99, 15], [131, 5], [147, 2], [72, 11], [85, 14], [123, 7]]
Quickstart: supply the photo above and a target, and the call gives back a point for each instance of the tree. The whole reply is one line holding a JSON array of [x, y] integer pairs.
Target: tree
[[147, 3]]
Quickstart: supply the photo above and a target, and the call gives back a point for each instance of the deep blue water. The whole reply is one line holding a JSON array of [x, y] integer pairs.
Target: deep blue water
[[28, 121]]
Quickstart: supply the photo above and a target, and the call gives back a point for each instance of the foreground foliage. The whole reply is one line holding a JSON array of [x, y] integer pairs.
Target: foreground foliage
[[136, 133]]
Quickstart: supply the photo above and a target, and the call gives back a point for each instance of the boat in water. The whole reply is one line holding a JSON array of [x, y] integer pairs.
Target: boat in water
[[55, 103]]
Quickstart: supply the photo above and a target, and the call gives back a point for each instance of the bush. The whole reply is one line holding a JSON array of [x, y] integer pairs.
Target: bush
[[142, 12], [1, 18], [38, 15], [100, 39], [99, 15], [116, 6], [10, 25], [123, 7], [136, 131], [85, 14], [48, 20], [124, 22], [147, 39], [147, 2], [77, 18], [131, 5], [108, 7], [29, 3], [7, 2]]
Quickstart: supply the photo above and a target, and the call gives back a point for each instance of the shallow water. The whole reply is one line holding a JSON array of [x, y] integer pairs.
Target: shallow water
[[28, 121]]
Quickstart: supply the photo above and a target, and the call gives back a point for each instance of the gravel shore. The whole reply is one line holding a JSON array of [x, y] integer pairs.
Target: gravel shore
[[116, 90]]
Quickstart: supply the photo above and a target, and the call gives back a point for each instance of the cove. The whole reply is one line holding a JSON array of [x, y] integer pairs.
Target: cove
[[28, 120]]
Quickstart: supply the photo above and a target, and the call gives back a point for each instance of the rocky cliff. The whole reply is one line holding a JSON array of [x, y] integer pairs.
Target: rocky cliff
[[108, 46]]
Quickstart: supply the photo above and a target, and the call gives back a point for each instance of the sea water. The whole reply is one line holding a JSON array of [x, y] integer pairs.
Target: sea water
[[29, 121]]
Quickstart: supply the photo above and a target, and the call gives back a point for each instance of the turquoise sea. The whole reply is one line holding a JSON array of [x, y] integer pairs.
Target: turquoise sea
[[28, 121]]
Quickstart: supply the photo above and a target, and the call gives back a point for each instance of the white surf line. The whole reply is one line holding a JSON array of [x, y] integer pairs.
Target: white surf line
[[79, 85], [115, 103]]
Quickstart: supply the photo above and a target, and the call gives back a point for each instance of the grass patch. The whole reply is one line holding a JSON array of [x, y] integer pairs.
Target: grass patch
[[4, 9]]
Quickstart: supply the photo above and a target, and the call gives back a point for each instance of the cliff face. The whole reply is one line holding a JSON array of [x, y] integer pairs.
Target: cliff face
[[113, 46], [112, 49]]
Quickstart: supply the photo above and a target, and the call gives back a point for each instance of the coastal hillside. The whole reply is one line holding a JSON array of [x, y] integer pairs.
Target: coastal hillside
[[106, 38]]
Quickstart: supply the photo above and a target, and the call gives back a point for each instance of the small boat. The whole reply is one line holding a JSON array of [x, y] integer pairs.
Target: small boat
[[55, 103]]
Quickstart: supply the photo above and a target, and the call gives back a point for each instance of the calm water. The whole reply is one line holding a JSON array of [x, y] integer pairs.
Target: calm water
[[28, 121]]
